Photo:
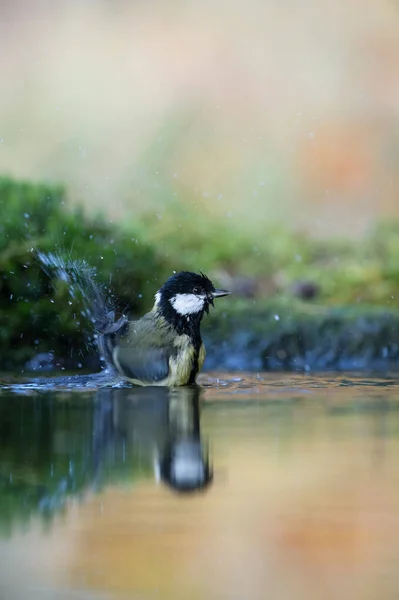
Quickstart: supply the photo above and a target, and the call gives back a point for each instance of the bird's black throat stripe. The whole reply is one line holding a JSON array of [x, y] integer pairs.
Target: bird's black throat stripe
[[185, 325], [195, 338], [194, 368]]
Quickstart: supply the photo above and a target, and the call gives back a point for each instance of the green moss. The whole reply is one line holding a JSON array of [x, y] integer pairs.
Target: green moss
[[344, 271], [33, 316]]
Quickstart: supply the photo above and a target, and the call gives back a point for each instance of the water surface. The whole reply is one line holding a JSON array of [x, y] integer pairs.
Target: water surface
[[250, 487]]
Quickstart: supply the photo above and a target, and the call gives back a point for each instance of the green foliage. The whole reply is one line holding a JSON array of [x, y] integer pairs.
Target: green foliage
[[34, 317], [191, 241], [345, 271]]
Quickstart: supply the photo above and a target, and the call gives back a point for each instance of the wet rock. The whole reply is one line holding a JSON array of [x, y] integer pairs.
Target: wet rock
[[323, 339]]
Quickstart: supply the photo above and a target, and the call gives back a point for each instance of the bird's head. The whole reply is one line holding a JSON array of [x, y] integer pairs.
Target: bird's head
[[188, 294]]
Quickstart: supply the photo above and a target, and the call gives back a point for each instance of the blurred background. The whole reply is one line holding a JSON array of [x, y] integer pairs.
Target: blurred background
[[253, 113], [257, 142]]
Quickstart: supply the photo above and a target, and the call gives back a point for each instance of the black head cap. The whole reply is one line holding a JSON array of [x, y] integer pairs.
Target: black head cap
[[185, 297], [186, 282]]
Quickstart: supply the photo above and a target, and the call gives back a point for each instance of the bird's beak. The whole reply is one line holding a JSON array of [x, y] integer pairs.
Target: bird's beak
[[220, 293]]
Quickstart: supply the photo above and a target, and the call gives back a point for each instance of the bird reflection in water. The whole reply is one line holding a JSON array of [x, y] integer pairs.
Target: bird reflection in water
[[184, 462], [60, 445], [163, 422]]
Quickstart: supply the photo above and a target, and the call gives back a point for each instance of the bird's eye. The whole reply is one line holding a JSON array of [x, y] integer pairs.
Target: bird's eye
[[196, 290]]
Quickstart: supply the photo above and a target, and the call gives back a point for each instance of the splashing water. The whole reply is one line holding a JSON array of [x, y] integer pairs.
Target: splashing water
[[81, 280]]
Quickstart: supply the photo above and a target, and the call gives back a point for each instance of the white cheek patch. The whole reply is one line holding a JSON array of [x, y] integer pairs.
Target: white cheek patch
[[187, 304]]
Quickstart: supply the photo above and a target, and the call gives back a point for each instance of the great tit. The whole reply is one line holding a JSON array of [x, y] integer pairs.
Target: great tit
[[164, 347]]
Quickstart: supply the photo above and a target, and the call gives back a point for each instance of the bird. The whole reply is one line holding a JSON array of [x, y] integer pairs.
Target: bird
[[162, 348]]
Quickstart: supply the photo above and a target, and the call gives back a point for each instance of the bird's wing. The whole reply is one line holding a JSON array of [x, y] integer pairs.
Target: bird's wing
[[142, 352], [149, 365]]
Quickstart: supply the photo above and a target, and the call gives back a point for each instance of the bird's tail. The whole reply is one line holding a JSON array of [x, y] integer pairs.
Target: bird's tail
[[81, 280]]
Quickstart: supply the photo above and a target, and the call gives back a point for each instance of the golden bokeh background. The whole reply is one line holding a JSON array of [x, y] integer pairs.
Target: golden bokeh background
[[258, 112]]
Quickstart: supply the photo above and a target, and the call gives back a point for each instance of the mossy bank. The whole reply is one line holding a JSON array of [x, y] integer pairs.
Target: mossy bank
[[349, 319]]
